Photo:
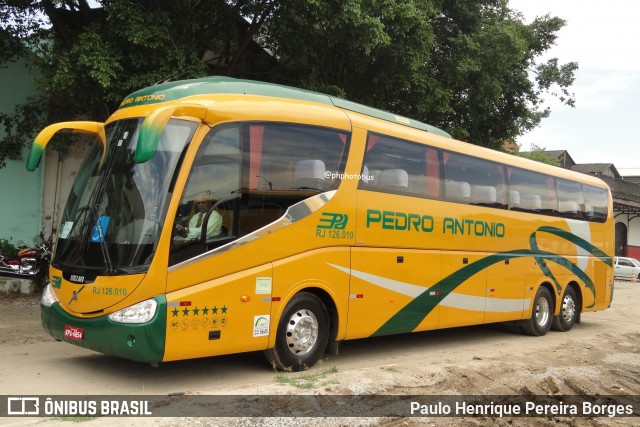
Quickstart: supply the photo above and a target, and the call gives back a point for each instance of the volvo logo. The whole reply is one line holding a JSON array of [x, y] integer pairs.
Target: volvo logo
[[75, 294]]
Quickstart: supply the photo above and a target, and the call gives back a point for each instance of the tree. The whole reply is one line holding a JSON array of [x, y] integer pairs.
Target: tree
[[468, 67], [471, 68], [539, 154]]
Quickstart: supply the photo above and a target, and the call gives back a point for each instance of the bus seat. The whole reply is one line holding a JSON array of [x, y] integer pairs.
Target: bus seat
[[375, 178], [309, 173], [394, 179], [417, 184], [364, 176], [588, 212], [568, 208], [530, 202], [484, 194], [457, 190], [514, 199]]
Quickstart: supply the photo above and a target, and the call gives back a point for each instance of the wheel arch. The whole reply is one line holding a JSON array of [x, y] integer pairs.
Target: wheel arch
[[330, 306], [555, 299], [578, 290], [327, 298]]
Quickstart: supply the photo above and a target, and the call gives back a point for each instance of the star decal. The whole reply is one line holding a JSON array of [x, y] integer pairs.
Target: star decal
[[196, 311], [185, 312], [205, 310], [224, 309], [175, 312], [215, 309]]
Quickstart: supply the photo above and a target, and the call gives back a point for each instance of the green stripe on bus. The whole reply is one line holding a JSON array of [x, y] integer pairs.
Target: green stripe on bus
[[410, 316]]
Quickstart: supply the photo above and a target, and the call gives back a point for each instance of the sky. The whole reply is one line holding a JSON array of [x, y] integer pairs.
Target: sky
[[604, 38]]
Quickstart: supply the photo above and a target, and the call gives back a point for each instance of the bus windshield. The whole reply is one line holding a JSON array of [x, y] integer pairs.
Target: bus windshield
[[116, 208]]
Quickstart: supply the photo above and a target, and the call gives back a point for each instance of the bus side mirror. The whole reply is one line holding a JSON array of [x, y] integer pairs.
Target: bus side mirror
[[43, 138], [154, 124]]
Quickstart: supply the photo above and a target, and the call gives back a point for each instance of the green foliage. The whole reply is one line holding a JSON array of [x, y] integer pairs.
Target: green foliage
[[7, 249], [540, 155], [21, 127], [468, 67], [471, 68], [304, 380]]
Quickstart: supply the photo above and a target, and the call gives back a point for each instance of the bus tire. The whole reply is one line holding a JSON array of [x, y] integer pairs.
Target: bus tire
[[568, 311], [541, 314], [302, 335]]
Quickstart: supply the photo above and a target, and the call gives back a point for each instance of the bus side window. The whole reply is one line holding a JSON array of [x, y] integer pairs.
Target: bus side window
[[533, 192], [570, 199], [205, 218], [474, 181], [596, 203], [398, 166]]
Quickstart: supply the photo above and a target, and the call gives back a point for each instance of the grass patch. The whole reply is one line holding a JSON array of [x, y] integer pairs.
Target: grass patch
[[78, 419], [304, 380]]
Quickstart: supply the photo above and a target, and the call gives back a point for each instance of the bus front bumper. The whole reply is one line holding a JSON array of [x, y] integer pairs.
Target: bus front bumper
[[140, 342]]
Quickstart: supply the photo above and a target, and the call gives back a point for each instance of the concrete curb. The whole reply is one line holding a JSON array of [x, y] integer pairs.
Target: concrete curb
[[15, 285]]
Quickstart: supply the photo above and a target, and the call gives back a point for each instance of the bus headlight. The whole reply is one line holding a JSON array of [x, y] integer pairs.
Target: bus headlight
[[141, 312], [48, 298]]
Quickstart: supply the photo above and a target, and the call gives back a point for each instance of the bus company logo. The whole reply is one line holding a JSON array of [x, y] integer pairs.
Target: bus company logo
[[261, 325], [56, 282], [333, 221], [23, 406]]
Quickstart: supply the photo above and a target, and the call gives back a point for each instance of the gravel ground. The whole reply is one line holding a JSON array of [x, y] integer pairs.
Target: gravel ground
[[600, 356]]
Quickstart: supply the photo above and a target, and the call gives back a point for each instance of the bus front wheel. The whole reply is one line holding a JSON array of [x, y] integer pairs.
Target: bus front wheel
[[568, 311], [302, 335], [541, 314]]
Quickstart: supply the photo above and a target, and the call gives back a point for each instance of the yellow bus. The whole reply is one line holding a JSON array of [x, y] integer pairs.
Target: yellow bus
[[217, 216]]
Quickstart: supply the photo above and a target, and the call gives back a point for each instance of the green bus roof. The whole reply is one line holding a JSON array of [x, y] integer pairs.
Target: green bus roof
[[172, 91]]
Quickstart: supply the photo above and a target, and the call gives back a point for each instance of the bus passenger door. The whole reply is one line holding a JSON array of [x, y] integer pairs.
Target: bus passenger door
[[389, 291], [465, 304]]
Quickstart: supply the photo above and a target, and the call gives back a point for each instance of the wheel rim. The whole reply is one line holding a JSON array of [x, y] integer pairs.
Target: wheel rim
[[302, 332], [568, 308], [542, 311]]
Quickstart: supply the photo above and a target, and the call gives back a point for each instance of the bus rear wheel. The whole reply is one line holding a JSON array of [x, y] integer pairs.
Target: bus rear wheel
[[302, 335], [541, 314], [568, 311]]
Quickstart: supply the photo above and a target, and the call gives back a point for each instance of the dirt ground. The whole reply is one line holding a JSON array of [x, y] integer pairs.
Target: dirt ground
[[600, 356]]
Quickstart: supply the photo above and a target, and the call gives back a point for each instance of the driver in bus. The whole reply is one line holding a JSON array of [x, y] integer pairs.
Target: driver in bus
[[194, 229]]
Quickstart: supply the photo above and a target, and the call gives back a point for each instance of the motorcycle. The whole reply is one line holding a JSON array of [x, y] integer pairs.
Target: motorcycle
[[29, 263]]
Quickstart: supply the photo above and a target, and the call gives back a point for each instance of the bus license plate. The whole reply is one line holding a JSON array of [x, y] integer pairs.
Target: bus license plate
[[73, 333]]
